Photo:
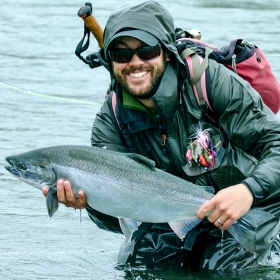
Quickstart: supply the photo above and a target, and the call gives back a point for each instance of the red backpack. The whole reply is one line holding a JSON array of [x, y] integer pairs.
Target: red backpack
[[240, 56]]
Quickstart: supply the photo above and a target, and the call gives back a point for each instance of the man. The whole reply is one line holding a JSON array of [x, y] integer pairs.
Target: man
[[150, 112]]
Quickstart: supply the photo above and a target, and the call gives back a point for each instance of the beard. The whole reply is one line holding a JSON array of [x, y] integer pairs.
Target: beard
[[149, 90]]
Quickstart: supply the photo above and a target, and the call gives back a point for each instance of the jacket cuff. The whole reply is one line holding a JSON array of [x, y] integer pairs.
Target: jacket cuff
[[254, 187]]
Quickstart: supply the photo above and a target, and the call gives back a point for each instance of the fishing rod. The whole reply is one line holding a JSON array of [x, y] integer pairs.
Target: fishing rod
[[91, 23], [48, 95], [92, 26]]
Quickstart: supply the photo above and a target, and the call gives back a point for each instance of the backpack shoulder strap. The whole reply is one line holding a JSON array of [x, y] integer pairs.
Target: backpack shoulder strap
[[197, 67], [112, 98]]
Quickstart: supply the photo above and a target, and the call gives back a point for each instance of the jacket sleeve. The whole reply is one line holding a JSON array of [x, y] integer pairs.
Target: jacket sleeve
[[106, 136], [250, 126]]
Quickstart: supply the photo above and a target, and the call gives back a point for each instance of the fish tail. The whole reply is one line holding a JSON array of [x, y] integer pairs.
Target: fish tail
[[52, 201], [244, 229], [244, 234]]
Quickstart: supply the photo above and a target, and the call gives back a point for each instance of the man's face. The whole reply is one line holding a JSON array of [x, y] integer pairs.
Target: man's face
[[138, 78]]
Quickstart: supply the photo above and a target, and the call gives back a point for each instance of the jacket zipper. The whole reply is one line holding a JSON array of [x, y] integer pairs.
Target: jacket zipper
[[163, 139], [244, 42], [233, 63]]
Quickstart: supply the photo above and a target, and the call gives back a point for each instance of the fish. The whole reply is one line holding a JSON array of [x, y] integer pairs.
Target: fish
[[126, 186]]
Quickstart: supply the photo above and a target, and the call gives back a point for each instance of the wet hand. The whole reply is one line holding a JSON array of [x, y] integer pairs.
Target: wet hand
[[66, 195], [227, 206]]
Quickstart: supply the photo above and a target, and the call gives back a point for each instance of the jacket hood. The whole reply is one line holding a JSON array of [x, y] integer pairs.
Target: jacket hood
[[149, 16]]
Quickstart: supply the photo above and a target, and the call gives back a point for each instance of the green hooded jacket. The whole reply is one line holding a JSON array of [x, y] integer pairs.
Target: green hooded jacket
[[247, 141]]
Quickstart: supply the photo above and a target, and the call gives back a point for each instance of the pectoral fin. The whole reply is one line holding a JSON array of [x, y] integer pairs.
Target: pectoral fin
[[52, 201], [181, 228]]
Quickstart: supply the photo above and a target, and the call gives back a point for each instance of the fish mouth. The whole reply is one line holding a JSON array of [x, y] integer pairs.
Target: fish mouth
[[13, 171], [12, 168]]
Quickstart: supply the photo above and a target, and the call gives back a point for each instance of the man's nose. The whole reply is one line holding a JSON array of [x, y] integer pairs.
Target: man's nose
[[135, 60]]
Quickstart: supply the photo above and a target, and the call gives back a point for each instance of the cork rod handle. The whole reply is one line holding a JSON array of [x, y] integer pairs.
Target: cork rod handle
[[92, 24]]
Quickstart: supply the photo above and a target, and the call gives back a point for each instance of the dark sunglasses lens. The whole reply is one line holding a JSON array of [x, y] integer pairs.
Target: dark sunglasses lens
[[121, 55], [149, 52], [144, 53]]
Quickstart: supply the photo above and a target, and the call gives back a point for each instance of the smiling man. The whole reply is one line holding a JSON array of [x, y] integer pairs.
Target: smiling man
[[138, 62], [152, 110]]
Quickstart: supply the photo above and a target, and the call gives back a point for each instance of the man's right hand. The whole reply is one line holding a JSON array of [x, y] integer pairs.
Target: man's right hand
[[66, 195]]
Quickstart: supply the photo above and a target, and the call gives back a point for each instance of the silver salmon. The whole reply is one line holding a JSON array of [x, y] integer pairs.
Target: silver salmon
[[126, 186]]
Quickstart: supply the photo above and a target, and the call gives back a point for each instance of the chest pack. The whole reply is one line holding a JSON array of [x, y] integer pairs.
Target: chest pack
[[242, 57]]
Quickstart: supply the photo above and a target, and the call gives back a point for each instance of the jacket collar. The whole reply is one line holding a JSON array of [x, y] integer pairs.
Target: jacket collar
[[132, 119], [166, 96], [131, 102]]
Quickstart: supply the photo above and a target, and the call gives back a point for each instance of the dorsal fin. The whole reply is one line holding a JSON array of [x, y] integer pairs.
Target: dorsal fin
[[207, 189]]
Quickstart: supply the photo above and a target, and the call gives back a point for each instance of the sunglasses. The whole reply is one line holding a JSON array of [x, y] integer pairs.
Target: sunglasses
[[144, 53]]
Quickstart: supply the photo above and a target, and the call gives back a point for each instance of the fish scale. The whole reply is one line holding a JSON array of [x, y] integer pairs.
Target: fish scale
[[155, 189]]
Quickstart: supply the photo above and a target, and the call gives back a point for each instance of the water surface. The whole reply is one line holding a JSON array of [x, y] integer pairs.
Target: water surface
[[49, 97]]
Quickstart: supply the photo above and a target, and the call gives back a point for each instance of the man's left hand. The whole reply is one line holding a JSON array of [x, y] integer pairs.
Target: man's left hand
[[227, 206]]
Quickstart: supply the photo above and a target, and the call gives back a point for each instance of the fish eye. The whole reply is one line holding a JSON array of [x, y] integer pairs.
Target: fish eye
[[22, 166]]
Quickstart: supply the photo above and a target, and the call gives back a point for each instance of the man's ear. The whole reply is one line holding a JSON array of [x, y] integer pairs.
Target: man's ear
[[167, 55]]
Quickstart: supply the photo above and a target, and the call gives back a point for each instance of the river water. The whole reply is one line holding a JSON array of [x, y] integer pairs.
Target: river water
[[49, 97]]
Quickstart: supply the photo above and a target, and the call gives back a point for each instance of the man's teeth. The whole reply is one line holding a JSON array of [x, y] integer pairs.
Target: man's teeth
[[138, 74]]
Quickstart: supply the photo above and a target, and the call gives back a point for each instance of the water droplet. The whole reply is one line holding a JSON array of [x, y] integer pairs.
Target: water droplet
[[222, 238], [81, 220]]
